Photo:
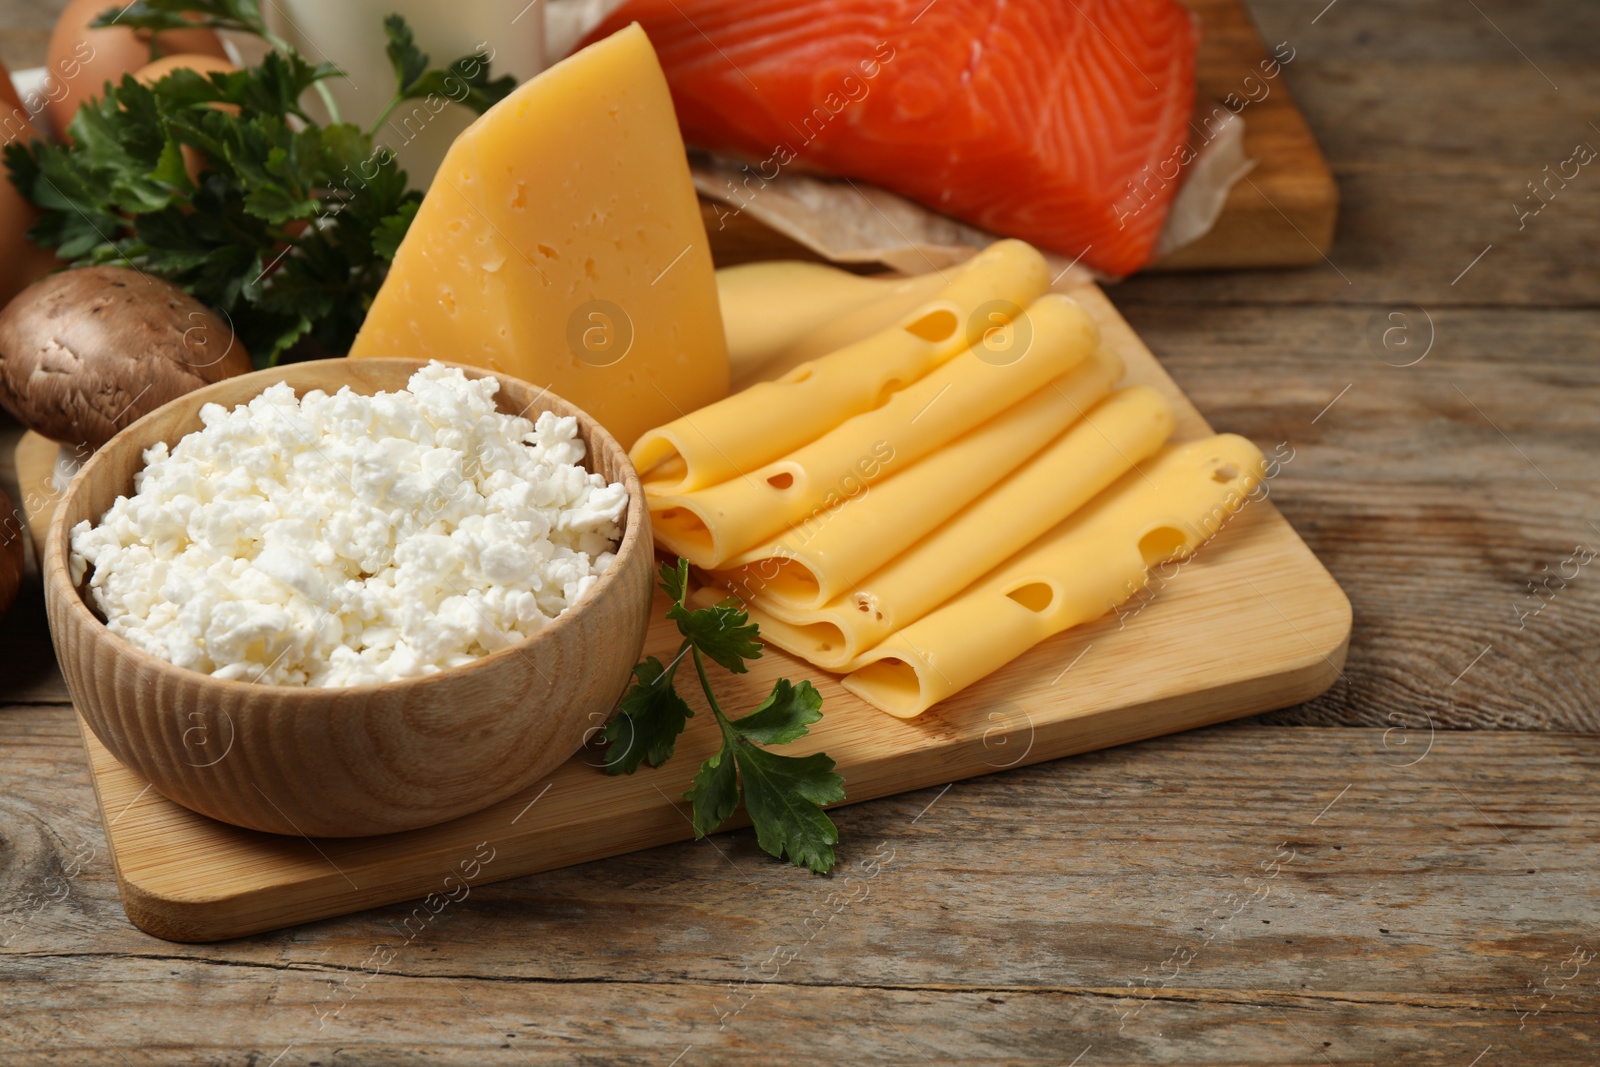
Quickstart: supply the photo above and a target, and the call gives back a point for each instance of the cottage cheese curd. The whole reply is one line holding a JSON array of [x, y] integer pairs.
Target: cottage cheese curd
[[347, 539]]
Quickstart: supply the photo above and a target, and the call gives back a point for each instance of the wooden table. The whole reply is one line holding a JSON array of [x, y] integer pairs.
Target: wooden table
[[1402, 871]]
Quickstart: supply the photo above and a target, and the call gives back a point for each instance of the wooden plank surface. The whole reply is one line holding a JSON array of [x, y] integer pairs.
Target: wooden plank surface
[[1252, 623], [1241, 894], [1282, 216], [1423, 939]]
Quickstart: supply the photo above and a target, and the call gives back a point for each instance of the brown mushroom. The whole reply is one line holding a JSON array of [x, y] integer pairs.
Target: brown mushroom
[[12, 554], [85, 352]]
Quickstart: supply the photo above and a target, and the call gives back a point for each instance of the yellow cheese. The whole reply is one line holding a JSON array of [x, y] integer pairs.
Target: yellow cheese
[[772, 310], [855, 326], [711, 526], [561, 243], [771, 419], [826, 555], [1126, 429], [1079, 571]]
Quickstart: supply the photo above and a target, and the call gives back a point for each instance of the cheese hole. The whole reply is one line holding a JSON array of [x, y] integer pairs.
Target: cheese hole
[[1162, 544], [885, 394], [864, 605], [1035, 596], [825, 638], [1225, 473], [890, 683], [937, 325], [782, 480]]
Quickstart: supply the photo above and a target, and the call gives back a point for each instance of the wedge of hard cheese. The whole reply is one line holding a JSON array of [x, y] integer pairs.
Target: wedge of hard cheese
[[561, 243]]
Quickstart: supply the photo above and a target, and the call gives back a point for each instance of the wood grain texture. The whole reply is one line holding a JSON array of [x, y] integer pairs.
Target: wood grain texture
[[1238, 895], [1020, 906], [368, 759], [35, 459], [1283, 213], [1253, 622], [1282, 216], [1423, 488], [1434, 123], [30, 673]]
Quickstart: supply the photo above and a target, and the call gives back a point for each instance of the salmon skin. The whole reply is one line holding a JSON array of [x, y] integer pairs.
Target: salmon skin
[[1062, 122]]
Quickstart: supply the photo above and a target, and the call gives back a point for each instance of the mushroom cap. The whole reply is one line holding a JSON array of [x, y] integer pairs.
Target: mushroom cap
[[85, 352]]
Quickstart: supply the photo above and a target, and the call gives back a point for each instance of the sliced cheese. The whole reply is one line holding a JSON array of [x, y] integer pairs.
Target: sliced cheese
[[770, 310], [1126, 429], [825, 555], [1084, 568], [735, 436], [561, 243], [712, 526]]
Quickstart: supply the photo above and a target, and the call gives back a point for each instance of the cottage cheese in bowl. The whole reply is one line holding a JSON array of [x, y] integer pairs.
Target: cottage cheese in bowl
[[336, 540]]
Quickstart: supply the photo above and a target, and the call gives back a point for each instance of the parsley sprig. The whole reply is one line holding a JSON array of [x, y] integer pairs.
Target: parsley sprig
[[783, 795], [289, 227]]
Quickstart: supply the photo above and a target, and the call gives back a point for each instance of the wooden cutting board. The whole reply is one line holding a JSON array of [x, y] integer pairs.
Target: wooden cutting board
[[1253, 623], [1281, 215]]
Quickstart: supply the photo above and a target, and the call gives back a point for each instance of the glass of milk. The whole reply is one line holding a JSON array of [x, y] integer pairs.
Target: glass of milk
[[349, 34]]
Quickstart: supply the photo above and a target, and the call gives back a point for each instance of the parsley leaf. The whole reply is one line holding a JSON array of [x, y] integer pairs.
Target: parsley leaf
[[651, 718], [715, 793], [784, 716], [724, 632], [783, 795], [241, 15], [466, 81], [410, 63], [675, 582]]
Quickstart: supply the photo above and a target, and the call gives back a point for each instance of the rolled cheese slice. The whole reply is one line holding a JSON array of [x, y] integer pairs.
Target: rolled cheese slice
[[1084, 568], [1126, 429], [711, 526], [773, 310], [826, 555], [734, 436]]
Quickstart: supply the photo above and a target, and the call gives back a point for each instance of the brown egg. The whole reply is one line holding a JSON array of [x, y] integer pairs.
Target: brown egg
[[151, 73], [82, 60], [193, 160], [11, 104], [21, 261]]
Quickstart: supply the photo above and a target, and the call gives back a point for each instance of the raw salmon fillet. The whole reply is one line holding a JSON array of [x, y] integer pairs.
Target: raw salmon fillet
[[1062, 122]]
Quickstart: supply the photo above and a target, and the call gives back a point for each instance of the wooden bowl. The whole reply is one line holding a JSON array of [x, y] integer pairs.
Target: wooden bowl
[[366, 759]]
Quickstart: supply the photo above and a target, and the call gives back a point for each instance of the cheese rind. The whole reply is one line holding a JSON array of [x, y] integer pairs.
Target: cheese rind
[[561, 243], [733, 437], [712, 526], [829, 555], [1084, 568]]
